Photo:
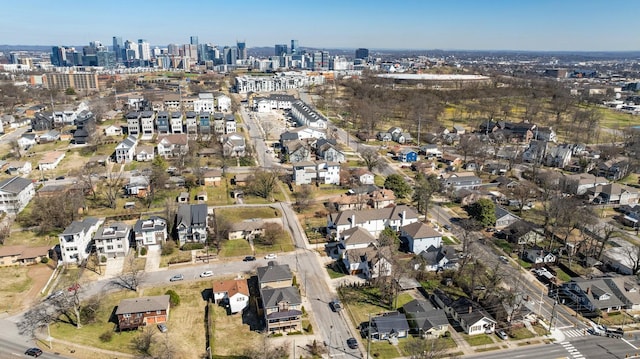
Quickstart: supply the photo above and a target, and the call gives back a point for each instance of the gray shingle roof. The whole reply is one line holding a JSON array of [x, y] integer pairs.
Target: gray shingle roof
[[274, 273], [272, 296], [143, 304], [80, 226], [14, 184], [419, 230], [342, 218]]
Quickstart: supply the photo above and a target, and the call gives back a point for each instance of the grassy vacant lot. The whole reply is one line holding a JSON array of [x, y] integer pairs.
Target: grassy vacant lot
[[366, 300], [15, 283], [183, 324], [177, 256], [283, 243], [232, 345], [235, 248], [239, 214]]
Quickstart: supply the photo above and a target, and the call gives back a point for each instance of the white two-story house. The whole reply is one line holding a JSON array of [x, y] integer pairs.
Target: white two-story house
[[150, 232], [373, 220], [77, 240], [113, 240]]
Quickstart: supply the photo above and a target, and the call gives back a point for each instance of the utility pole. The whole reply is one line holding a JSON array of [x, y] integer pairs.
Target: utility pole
[[553, 312], [419, 122], [369, 337]]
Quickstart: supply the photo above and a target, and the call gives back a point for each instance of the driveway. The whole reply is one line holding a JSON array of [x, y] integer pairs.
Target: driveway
[[153, 259]]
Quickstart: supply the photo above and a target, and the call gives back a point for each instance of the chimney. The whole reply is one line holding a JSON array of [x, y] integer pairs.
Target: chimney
[[353, 220], [470, 309], [403, 217], [588, 290]]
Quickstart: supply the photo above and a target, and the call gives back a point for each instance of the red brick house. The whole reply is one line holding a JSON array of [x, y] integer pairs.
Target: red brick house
[[139, 312]]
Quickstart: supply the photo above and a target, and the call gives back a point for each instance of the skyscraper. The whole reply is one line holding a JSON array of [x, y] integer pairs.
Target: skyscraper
[[362, 53], [294, 47], [280, 49], [117, 48], [144, 50], [242, 50], [193, 40]]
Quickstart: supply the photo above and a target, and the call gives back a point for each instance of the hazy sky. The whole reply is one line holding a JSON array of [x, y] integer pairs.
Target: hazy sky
[[605, 25]]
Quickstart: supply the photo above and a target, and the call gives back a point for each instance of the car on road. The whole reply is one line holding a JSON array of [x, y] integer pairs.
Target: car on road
[[162, 328], [502, 334], [447, 227], [249, 259], [33, 352], [271, 256], [504, 259], [335, 305], [60, 178], [352, 343], [176, 278], [206, 274], [55, 294]]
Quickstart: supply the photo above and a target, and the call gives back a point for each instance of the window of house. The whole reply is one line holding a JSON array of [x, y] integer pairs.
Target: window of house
[[158, 312], [126, 315]]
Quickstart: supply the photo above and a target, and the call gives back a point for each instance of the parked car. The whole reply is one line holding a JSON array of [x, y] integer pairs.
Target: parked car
[[249, 259], [352, 343], [162, 328], [55, 294], [60, 178], [271, 256], [447, 227], [504, 259], [33, 352], [335, 305], [176, 278], [502, 335], [206, 274]]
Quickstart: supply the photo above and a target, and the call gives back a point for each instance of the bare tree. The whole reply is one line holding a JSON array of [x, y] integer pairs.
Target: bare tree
[[131, 275], [427, 348], [632, 253], [304, 198], [264, 182], [143, 343], [113, 184], [371, 159]]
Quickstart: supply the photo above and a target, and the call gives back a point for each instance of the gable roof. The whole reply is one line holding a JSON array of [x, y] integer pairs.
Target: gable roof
[[425, 314], [470, 311], [390, 322], [80, 226], [14, 184], [174, 139], [358, 235], [143, 304], [393, 213], [274, 273], [231, 287], [192, 214], [272, 296], [419, 230]]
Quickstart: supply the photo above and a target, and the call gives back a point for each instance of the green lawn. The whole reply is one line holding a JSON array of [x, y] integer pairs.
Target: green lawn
[[384, 350], [334, 271], [520, 333], [362, 302], [242, 213], [480, 339], [177, 256], [235, 248], [449, 240], [562, 275], [283, 243]]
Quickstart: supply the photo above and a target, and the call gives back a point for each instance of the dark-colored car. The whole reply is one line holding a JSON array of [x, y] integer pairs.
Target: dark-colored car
[[162, 328], [60, 178], [352, 343], [33, 352], [249, 259], [447, 227], [335, 305]]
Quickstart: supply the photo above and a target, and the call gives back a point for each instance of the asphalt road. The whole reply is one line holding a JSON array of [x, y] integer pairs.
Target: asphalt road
[[584, 348]]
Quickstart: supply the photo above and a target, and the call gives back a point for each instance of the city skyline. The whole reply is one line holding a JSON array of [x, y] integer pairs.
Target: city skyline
[[543, 25]]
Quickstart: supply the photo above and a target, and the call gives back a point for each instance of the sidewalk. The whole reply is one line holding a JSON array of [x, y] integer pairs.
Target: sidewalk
[[66, 348]]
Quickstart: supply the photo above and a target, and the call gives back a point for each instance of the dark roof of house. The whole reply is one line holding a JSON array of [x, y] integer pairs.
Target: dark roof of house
[[80, 226], [143, 304], [192, 214], [272, 296], [425, 314], [470, 311], [274, 273], [153, 223], [14, 184], [390, 322]]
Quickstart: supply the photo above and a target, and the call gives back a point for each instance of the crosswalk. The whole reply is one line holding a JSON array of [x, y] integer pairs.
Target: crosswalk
[[575, 354], [574, 333]]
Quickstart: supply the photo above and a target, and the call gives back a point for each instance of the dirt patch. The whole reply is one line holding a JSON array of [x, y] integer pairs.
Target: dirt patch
[[21, 286]]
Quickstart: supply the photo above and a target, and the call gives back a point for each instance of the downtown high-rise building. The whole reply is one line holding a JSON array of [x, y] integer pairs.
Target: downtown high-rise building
[[173, 49], [362, 53], [294, 47], [280, 49], [144, 50], [242, 50], [193, 40], [117, 48]]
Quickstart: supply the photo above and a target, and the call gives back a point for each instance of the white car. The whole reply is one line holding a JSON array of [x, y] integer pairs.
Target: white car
[[206, 274], [271, 256]]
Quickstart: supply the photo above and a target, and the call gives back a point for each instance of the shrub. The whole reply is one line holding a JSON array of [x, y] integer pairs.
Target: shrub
[[168, 248], [309, 329], [174, 298], [106, 336], [103, 259], [143, 251], [44, 260], [192, 246], [447, 334]]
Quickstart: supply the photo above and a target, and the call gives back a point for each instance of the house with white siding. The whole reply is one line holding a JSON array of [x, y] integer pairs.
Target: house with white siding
[[373, 220]]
